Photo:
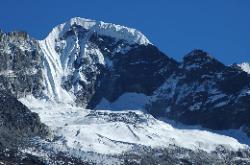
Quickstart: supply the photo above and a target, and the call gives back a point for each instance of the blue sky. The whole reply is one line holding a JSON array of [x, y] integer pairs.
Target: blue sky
[[220, 27]]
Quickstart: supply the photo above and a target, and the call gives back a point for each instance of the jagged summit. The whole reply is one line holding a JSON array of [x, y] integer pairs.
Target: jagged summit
[[74, 50], [197, 54], [118, 32], [198, 59]]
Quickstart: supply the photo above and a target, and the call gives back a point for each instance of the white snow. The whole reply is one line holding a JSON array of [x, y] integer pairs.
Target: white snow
[[7, 73], [196, 106], [25, 46], [216, 96], [121, 32], [109, 132], [245, 67], [244, 92], [118, 32], [192, 66], [11, 73], [108, 29], [59, 63], [6, 49], [53, 73]]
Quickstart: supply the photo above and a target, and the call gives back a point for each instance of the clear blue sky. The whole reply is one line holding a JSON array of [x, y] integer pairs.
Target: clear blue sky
[[221, 27]]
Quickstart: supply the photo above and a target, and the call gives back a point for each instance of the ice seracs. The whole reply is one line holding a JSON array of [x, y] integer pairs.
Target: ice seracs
[[119, 32]]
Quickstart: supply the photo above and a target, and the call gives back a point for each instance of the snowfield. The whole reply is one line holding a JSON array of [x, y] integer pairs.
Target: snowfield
[[114, 132]]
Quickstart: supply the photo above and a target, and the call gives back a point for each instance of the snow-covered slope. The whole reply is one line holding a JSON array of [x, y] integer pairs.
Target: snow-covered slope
[[67, 47], [108, 132], [245, 67]]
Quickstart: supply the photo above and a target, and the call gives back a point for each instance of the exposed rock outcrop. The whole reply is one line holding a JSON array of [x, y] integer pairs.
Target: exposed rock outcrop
[[17, 123]]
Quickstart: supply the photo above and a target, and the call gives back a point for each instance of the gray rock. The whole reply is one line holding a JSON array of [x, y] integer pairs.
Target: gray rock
[[20, 64], [17, 123]]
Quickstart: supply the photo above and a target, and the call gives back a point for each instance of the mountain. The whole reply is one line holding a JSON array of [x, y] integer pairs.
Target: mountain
[[86, 60], [107, 96], [205, 92]]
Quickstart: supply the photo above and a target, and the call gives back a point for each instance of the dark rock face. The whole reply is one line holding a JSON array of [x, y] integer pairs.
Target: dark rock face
[[140, 155], [20, 64], [233, 79], [138, 65], [175, 155], [15, 157], [130, 70], [205, 92], [17, 123], [128, 118], [198, 63]]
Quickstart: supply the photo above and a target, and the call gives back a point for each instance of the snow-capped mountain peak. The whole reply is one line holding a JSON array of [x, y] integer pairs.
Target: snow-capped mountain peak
[[118, 32], [245, 67], [76, 42]]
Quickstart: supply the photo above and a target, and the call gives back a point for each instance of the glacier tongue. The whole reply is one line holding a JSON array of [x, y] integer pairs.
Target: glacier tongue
[[109, 132]]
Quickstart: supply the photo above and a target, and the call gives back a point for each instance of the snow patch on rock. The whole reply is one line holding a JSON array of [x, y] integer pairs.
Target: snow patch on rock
[[245, 67]]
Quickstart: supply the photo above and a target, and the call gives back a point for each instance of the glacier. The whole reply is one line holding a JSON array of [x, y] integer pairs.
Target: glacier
[[114, 132]]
